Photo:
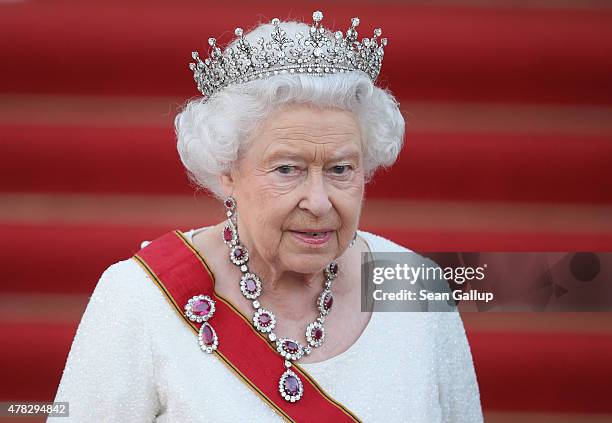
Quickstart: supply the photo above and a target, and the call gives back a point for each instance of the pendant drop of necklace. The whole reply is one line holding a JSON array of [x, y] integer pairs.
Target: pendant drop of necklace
[[289, 385]]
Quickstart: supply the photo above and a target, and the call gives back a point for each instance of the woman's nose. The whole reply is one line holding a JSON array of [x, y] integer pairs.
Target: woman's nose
[[316, 196]]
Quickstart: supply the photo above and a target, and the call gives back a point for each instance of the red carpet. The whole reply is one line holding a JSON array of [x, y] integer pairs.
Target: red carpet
[[70, 258], [528, 372], [444, 52], [457, 166], [33, 358], [540, 371]]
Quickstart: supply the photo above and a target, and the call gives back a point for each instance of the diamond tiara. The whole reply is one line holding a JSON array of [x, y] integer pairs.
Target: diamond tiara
[[318, 53]]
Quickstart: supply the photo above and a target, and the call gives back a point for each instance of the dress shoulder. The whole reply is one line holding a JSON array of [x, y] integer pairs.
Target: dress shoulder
[[126, 278], [381, 244]]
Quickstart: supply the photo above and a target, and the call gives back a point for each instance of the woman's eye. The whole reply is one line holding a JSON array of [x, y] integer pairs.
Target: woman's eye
[[340, 169], [285, 169]]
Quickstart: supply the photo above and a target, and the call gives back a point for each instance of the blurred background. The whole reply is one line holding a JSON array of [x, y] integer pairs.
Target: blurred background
[[508, 148]]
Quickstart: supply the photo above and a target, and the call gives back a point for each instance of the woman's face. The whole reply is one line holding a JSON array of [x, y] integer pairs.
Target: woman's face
[[302, 173]]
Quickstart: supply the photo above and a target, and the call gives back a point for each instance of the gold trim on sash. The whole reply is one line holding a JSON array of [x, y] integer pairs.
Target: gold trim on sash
[[224, 359]]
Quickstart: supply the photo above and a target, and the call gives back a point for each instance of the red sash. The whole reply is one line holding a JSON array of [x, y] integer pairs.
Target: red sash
[[181, 273]]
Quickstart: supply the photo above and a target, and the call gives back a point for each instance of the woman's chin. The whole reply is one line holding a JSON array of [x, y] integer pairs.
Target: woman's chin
[[307, 263]]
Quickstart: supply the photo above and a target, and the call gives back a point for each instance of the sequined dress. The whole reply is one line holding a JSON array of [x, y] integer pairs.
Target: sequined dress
[[134, 360]]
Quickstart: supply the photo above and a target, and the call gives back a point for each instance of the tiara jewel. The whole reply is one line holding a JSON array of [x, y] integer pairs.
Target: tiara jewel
[[318, 52]]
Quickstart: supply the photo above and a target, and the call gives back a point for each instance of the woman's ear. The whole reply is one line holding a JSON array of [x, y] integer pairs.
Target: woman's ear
[[227, 183]]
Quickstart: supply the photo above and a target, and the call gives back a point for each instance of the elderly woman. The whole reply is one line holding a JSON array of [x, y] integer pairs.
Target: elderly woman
[[258, 318]]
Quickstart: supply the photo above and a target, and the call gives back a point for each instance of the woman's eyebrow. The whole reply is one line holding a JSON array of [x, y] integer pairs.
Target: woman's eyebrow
[[349, 154], [287, 153], [282, 153]]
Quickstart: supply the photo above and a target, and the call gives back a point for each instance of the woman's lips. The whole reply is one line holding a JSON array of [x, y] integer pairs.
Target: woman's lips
[[312, 239]]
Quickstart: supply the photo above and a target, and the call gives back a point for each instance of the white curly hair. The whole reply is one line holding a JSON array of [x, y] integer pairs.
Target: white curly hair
[[211, 134]]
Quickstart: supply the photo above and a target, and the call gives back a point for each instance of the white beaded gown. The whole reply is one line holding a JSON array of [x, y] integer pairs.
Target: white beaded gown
[[133, 359]]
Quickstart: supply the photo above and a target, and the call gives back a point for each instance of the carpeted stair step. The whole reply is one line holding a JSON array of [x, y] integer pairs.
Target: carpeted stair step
[[550, 167], [69, 259], [472, 52], [568, 372]]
